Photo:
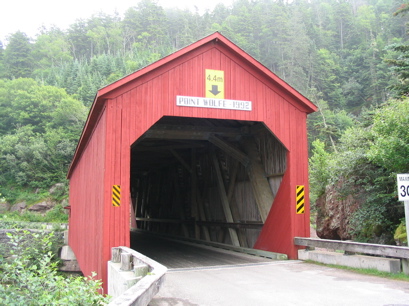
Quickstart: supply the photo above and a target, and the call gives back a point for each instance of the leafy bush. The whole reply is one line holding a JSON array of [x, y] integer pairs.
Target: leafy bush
[[390, 148], [319, 169], [400, 235], [7, 222], [30, 277]]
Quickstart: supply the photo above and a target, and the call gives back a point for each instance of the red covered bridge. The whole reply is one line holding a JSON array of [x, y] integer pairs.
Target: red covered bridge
[[205, 143]]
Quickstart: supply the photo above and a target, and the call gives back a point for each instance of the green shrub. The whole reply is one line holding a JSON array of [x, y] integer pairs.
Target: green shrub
[[319, 169], [400, 234], [30, 277]]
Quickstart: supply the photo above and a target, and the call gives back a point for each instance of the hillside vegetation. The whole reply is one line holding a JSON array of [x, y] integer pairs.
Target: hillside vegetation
[[348, 57]]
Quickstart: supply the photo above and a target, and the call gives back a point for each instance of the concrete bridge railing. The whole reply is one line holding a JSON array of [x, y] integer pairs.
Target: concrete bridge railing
[[133, 278], [387, 258]]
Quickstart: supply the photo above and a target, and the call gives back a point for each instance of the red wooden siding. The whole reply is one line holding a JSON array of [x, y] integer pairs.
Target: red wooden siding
[[283, 223], [135, 103], [86, 233]]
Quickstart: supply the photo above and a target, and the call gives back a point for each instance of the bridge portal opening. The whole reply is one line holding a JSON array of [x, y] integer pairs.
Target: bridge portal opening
[[208, 179]]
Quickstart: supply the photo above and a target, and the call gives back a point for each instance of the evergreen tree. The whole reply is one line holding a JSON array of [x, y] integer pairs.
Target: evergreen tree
[[2, 72], [400, 63], [18, 56]]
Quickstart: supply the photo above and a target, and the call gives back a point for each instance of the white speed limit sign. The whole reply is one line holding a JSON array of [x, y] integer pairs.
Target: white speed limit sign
[[403, 187]]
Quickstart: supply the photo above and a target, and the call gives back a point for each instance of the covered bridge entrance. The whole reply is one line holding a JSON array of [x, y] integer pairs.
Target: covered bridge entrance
[[206, 143]]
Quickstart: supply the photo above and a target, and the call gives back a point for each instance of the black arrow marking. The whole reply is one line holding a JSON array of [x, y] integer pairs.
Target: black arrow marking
[[215, 90]]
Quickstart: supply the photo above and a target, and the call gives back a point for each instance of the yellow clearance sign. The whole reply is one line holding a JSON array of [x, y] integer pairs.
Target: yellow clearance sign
[[214, 84]]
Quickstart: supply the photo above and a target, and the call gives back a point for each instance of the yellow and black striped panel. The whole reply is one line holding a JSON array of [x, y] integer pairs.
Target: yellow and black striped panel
[[300, 199], [116, 195]]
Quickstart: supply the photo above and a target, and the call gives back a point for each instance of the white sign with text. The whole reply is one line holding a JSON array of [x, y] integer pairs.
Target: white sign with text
[[403, 187], [213, 103]]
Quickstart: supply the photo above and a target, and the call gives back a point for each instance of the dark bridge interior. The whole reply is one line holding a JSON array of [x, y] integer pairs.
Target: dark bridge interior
[[207, 179]]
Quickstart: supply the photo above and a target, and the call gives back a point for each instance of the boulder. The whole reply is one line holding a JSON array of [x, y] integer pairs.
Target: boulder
[[59, 187], [19, 207], [42, 207], [4, 207]]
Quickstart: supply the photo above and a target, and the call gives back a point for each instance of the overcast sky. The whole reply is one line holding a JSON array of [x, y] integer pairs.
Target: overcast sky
[[29, 15]]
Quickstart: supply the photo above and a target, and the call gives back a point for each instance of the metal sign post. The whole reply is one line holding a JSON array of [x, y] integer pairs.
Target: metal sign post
[[403, 192]]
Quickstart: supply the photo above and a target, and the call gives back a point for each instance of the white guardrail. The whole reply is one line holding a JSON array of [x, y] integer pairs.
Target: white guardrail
[[133, 278]]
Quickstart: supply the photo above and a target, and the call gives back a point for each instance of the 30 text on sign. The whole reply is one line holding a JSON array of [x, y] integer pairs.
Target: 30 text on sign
[[214, 81], [213, 103], [116, 195], [403, 187]]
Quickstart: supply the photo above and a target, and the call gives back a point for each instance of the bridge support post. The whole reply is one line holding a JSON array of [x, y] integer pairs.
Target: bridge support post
[[225, 202], [261, 188]]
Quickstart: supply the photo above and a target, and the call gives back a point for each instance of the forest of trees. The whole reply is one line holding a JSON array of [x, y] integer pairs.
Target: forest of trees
[[349, 57]]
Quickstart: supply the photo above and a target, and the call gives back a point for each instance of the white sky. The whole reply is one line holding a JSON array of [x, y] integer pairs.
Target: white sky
[[29, 15]]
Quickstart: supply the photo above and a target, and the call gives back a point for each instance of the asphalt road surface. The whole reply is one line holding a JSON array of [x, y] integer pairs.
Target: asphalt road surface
[[208, 276]]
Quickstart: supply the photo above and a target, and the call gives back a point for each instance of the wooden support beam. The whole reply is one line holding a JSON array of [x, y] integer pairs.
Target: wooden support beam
[[147, 148], [236, 225], [181, 160], [259, 183], [233, 205], [202, 213], [225, 202], [190, 132], [229, 149], [180, 208], [157, 220], [195, 210], [202, 217], [275, 175]]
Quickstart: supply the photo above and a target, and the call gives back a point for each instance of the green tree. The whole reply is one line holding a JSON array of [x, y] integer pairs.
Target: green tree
[[80, 42], [18, 56], [319, 169], [38, 132], [2, 72], [390, 148], [146, 23], [51, 48], [105, 33]]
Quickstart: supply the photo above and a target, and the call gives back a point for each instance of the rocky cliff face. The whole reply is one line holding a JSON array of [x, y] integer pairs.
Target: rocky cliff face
[[334, 212]]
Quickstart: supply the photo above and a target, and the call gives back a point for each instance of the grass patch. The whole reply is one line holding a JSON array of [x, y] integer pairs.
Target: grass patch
[[373, 272], [55, 215]]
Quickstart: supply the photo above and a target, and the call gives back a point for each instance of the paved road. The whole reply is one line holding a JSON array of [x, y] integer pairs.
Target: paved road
[[279, 283], [207, 276]]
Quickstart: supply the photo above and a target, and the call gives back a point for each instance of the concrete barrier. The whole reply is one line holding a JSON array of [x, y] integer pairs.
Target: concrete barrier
[[392, 265], [389, 258], [133, 278]]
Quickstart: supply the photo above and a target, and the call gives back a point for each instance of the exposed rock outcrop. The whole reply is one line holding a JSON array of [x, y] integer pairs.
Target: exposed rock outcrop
[[334, 212], [19, 207], [42, 207], [57, 188]]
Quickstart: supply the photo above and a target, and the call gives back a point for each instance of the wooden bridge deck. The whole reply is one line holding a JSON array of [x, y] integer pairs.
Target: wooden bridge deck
[[185, 255]]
